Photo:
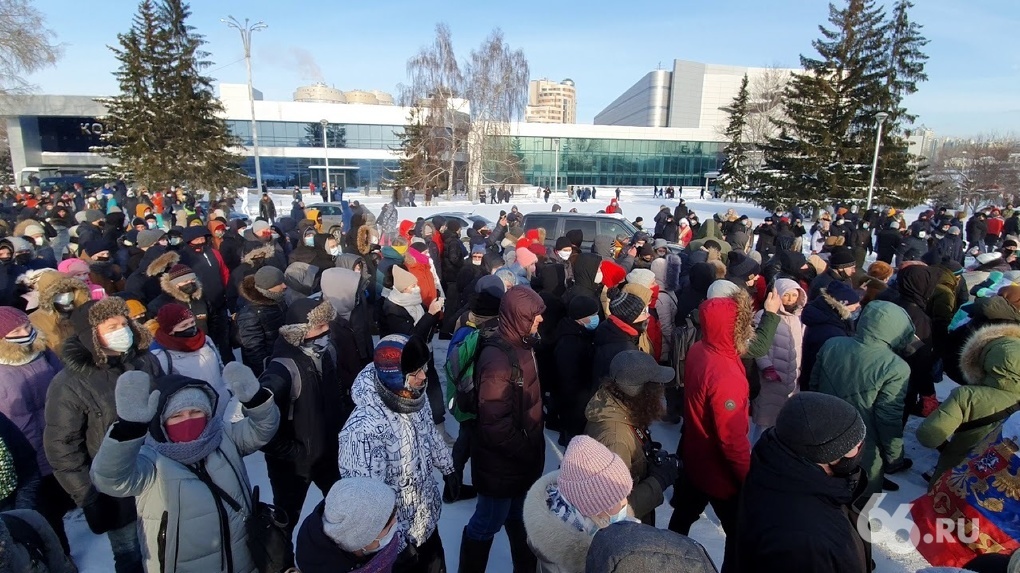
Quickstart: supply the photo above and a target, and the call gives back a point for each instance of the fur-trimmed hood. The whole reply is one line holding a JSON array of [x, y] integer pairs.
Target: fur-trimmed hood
[[175, 292], [840, 308], [725, 330], [991, 357], [52, 283], [12, 354], [365, 239], [250, 293], [267, 251], [294, 333], [674, 264], [162, 264], [82, 355], [553, 540]]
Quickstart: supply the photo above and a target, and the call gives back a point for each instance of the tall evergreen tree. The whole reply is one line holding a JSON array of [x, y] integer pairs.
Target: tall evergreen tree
[[166, 123], [734, 176]]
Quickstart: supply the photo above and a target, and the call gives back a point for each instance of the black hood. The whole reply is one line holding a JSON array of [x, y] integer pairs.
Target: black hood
[[702, 277], [585, 268], [917, 284]]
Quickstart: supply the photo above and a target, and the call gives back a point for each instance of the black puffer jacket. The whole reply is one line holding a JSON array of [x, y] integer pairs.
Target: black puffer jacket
[[585, 268], [795, 517], [80, 407], [258, 326], [454, 253], [610, 340]]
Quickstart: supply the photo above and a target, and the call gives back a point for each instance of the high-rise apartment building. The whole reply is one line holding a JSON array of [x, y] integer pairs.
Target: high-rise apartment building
[[551, 102]]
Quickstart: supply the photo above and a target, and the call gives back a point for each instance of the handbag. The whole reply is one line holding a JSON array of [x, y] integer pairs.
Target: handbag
[[268, 541]]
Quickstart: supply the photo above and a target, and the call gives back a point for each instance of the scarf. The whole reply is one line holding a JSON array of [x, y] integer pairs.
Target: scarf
[[178, 344], [567, 513], [189, 453], [411, 302], [8, 474], [623, 326], [399, 404]]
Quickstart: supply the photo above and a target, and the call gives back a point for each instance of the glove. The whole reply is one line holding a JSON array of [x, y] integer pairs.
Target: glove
[[135, 403], [453, 483], [241, 381], [666, 472], [770, 374], [104, 513]]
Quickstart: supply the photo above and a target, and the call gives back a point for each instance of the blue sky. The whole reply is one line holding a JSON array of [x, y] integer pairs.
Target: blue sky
[[604, 46]]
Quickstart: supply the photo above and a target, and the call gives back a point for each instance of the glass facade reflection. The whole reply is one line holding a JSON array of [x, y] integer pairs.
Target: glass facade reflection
[[364, 174], [309, 134], [616, 162]]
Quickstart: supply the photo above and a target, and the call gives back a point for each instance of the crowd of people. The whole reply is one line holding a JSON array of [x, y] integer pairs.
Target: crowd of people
[[150, 342]]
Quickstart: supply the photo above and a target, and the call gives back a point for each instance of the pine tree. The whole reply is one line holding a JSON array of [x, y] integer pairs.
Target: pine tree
[[734, 176], [167, 126]]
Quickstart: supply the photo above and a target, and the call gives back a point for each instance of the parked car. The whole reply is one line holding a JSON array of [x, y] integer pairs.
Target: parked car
[[591, 224], [335, 216]]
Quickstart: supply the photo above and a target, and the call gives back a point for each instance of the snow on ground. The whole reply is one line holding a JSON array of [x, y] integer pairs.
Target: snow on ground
[[92, 553]]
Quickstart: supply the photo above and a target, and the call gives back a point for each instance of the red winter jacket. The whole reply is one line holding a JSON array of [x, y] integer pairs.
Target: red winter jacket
[[715, 449], [995, 225]]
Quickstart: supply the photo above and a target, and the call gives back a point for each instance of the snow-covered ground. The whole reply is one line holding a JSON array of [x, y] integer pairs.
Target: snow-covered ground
[[92, 553]]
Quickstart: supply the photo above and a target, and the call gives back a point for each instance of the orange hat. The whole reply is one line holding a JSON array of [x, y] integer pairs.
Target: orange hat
[[880, 270]]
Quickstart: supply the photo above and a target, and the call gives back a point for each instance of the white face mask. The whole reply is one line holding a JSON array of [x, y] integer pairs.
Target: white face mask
[[386, 539], [476, 262], [119, 340], [38, 241], [564, 254], [335, 251], [415, 290], [598, 277]]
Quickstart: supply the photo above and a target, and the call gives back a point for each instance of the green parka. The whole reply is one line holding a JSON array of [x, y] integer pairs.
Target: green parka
[[990, 362], [867, 372]]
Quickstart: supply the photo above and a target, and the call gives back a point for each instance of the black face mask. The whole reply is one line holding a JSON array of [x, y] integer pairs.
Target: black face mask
[[640, 326], [101, 259], [186, 333], [531, 340], [189, 288], [198, 248], [846, 467], [23, 259]]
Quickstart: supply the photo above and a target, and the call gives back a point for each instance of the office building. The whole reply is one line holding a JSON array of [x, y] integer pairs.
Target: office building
[[551, 102]]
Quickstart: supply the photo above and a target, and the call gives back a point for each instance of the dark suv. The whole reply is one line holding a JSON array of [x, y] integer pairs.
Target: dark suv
[[591, 224]]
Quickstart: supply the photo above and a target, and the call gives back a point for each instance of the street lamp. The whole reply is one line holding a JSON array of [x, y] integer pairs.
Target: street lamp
[[325, 149], [556, 176], [880, 118], [246, 30]]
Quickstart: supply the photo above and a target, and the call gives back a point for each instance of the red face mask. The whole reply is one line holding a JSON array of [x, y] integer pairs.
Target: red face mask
[[187, 431]]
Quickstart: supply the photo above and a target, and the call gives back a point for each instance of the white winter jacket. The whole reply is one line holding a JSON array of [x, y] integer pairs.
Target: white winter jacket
[[785, 356], [399, 449]]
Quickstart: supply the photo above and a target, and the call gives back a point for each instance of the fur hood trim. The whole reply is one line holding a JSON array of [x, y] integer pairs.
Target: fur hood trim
[[743, 329], [250, 293], [53, 283], [840, 308], [172, 290], [294, 334], [674, 265], [266, 251], [971, 357], [365, 239], [12, 354], [102, 310], [553, 540], [163, 263]]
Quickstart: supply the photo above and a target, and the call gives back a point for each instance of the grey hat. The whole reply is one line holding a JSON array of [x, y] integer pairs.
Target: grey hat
[[659, 244], [819, 427], [356, 510], [632, 369], [93, 215], [190, 397], [148, 237], [268, 277]]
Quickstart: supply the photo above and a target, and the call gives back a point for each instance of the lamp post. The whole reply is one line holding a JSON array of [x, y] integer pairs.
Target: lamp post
[[246, 30], [325, 148], [880, 118], [556, 176]]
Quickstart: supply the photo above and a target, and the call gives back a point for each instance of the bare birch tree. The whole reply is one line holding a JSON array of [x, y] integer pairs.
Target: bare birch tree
[[985, 170]]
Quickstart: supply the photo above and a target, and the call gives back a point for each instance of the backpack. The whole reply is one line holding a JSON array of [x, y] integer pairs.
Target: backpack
[[462, 377], [685, 334]]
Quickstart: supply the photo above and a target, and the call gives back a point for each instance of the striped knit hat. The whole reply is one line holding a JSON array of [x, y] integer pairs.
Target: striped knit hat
[[592, 478]]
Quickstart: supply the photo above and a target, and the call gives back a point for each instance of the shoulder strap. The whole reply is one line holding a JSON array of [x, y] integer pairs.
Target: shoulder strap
[[295, 381], [25, 535], [989, 419]]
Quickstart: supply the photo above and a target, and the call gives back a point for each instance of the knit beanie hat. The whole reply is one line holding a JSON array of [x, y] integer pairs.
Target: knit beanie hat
[[93, 215], [11, 318], [722, 288], [582, 307], [402, 279], [562, 243], [880, 270], [740, 266], [538, 249], [148, 237], [1012, 295], [592, 478], [185, 399], [525, 257], [259, 227], [268, 277], [626, 307], [396, 356], [612, 273], [95, 246], [73, 267], [643, 277], [819, 427], [33, 229], [576, 237], [642, 292], [476, 249], [842, 293], [180, 274], [841, 257], [356, 510], [135, 308], [172, 314]]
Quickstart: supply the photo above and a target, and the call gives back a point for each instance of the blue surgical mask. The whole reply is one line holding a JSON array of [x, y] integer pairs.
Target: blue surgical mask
[[855, 315], [620, 515], [310, 241], [593, 322]]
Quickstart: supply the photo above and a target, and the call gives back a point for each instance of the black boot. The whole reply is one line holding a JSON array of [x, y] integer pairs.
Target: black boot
[[520, 552], [474, 555]]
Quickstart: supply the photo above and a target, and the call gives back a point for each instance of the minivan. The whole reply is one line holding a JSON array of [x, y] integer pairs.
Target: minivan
[[591, 224]]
